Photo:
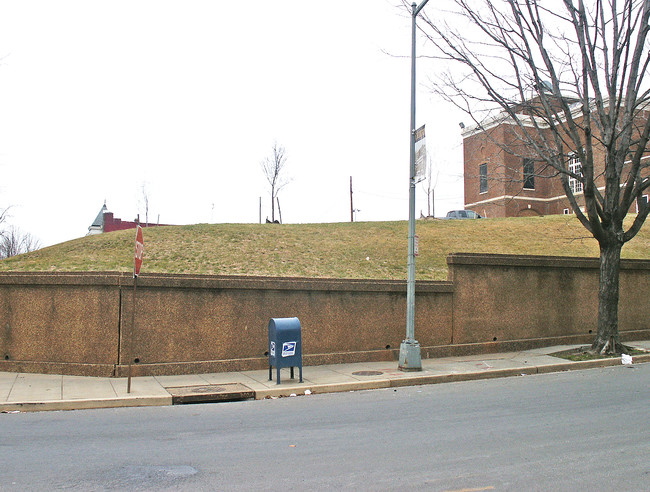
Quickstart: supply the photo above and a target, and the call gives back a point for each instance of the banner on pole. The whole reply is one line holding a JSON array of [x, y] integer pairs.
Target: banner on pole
[[420, 155]]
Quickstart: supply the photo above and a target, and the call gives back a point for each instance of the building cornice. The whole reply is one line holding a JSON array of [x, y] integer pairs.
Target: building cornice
[[505, 119]]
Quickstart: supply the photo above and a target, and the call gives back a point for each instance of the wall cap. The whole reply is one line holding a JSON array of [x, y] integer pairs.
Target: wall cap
[[539, 261], [191, 281]]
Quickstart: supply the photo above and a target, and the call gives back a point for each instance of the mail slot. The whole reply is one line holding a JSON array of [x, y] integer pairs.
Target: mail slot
[[285, 346]]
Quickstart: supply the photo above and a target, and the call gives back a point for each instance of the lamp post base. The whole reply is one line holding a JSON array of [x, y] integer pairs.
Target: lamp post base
[[409, 356]]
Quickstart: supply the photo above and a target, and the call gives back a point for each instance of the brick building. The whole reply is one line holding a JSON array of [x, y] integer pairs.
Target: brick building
[[506, 184], [106, 222]]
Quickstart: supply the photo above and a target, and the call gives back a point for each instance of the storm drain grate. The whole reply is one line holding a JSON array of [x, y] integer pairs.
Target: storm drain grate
[[210, 393], [367, 373]]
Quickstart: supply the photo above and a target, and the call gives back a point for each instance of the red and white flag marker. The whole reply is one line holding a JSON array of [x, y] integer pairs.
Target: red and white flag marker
[[139, 252]]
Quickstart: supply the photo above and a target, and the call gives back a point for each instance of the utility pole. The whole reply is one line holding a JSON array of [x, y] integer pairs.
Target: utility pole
[[433, 202], [351, 203], [409, 350]]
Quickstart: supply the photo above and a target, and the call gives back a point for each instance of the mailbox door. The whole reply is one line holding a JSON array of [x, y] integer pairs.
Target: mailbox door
[[285, 344]]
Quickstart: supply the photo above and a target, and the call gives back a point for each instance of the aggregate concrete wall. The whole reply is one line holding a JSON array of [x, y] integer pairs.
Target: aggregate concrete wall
[[84, 323], [187, 324], [499, 298], [59, 323]]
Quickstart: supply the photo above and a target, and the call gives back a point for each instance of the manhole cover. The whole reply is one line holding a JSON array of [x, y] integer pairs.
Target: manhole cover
[[367, 373], [210, 393], [207, 389]]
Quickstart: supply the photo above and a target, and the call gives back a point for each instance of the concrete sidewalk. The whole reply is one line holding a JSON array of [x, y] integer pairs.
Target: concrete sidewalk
[[37, 392]]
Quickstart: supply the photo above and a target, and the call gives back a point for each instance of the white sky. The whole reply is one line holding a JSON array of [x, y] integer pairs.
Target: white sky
[[99, 98]]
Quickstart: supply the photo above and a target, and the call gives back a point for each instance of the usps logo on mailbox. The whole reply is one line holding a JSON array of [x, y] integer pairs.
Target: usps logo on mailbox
[[272, 349], [288, 349]]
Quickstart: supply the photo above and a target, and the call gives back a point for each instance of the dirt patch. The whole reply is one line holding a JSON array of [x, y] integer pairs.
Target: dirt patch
[[583, 353]]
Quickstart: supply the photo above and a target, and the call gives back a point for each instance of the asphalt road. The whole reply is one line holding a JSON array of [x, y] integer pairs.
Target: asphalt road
[[582, 430]]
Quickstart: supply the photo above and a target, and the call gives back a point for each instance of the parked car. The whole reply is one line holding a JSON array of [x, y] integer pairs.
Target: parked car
[[462, 214]]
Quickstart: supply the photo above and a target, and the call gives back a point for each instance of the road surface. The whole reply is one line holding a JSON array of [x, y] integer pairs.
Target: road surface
[[582, 430]]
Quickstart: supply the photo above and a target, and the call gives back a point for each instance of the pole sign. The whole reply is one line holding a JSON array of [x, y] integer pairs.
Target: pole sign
[[139, 251], [420, 155]]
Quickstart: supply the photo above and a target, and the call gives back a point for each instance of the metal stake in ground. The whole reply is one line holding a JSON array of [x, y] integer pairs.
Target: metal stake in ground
[[139, 251]]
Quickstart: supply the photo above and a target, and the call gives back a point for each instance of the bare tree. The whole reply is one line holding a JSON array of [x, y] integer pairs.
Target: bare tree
[[429, 187], [13, 242], [273, 168], [3, 215], [145, 202], [568, 78]]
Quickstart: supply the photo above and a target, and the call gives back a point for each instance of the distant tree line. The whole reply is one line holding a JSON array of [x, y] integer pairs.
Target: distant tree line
[[13, 241]]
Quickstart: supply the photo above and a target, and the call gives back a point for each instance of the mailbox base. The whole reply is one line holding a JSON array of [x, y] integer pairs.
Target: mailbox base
[[278, 373]]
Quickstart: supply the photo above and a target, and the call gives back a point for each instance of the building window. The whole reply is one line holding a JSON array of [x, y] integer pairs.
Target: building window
[[529, 174], [576, 168], [641, 202], [565, 211], [483, 184]]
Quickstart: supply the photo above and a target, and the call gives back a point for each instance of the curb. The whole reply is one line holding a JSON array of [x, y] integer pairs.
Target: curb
[[412, 379], [426, 379], [322, 388], [85, 404], [590, 364]]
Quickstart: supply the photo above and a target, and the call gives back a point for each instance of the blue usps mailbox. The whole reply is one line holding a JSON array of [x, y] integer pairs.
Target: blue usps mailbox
[[285, 346]]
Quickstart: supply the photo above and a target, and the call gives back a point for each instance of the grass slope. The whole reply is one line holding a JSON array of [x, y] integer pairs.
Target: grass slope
[[341, 250]]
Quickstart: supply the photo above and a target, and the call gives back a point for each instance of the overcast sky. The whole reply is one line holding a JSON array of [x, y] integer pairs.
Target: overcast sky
[[99, 99]]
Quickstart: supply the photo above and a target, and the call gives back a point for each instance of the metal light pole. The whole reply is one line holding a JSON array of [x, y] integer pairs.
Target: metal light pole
[[409, 350]]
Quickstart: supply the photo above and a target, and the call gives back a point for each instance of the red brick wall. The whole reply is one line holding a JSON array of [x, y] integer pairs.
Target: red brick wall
[[505, 196], [112, 224]]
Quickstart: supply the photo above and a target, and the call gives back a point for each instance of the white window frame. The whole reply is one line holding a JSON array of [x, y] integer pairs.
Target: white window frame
[[482, 178], [528, 176], [575, 167]]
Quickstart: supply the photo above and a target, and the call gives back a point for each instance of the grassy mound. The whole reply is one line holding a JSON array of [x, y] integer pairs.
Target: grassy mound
[[342, 250]]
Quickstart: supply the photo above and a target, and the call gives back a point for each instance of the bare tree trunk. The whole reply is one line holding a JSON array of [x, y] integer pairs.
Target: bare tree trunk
[[607, 339], [272, 168]]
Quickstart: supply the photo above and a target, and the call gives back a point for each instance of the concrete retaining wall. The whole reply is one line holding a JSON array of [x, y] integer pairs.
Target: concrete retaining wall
[[505, 297], [81, 323]]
